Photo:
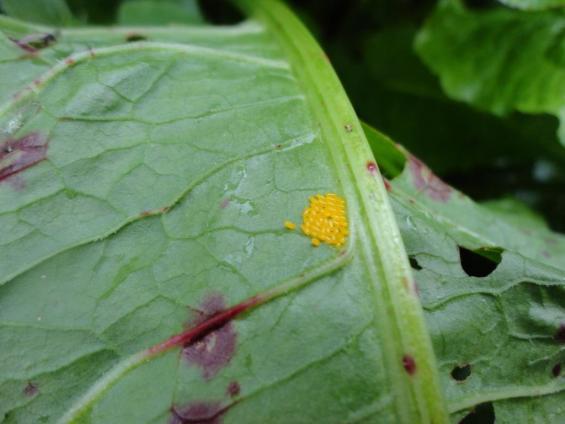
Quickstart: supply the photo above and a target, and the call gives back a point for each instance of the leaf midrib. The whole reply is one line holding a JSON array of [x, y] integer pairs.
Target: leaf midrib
[[367, 199]]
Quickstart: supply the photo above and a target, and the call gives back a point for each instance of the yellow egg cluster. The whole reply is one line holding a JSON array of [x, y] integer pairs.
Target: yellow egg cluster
[[325, 220]]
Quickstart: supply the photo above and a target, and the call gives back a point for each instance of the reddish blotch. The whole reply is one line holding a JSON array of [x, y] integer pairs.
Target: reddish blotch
[[409, 364], [214, 350], [233, 388], [19, 154], [31, 389], [426, 181], [195, 333]]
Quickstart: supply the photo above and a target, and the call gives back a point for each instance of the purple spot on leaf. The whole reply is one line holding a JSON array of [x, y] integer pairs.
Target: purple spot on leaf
[[426, 181], [215, 350], [233, 389], [31, 389], [409, 364], [20, 154]]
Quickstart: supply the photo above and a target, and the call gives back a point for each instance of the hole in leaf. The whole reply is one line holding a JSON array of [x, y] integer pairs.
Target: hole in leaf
[[220, 12], [481, 262], [131, 38], [414, 263], [461, 372], [481, 414]]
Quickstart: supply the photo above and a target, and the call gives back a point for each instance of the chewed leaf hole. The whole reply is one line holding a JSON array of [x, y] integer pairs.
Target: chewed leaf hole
[[132, 38], [481, 414], [414, 263], [461, 372], [481, 262]]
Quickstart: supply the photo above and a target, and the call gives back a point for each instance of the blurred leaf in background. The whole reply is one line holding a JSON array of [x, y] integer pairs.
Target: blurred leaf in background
[[48, 12]]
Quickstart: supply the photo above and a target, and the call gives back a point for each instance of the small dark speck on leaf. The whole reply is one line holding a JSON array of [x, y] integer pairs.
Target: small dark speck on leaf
[[461, 372], [31, 389], [348, 127], [130, 38], [225, 203], [409, 364], [481, 414], [556, 370], [371, 167], [560, 334], [233, 388], [414, 263]]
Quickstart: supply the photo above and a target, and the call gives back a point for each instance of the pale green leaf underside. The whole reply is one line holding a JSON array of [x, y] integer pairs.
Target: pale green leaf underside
[[503, 325], [171, 166], [533, 4]]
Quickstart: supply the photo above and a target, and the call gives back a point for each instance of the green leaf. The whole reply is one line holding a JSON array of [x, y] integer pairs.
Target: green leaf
[[152, 12], [515, 211], [498, 59], [533, 4], [498, 337], [50, 12], [146, 275]]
